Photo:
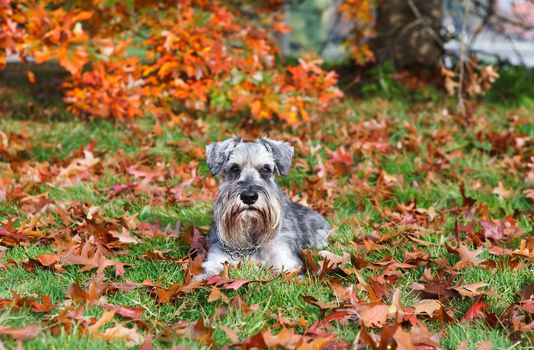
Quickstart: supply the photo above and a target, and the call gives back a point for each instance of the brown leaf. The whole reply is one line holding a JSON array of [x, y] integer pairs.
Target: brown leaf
[[471, 290], [47, 259], [427, 307], [106, 317], [216, 294], [227, 283], [44, 306], [493, 230], [323, 307], [316, 344], [468, 257], [502, 192], [23, 333], [374, 316], [424, 339], [286, 338], [120, 333], [403, 340], [76, 293], [124, 236], [130, 312], [527, 292]]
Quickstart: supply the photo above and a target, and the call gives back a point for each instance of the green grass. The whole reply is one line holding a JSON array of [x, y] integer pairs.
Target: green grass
[[429, 178]]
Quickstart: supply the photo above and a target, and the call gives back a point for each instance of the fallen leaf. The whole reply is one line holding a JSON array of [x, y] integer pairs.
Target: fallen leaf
[[47, 259], [427, 307], [493, 230], [476, 310], [467, 257], [44, 306], [120, 333], [501, 191], [106, 317], [471, 290], [286, 338], [23, 333], [403, 340], [216, 294], [374, 316], [130, 312]]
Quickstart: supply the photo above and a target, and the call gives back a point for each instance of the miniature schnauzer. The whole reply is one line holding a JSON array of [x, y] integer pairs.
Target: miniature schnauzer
[[252, 216]]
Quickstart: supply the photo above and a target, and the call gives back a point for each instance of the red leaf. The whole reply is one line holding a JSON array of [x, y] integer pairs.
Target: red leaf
[[44, 306], [227, 283], [476, 310], [130, 312], [119, 188], [24, 333]]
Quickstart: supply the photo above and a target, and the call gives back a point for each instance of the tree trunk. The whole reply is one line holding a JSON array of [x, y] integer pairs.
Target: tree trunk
[[408, 33]]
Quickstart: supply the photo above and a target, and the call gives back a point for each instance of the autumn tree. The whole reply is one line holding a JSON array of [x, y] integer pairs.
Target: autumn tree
[[128, 59]]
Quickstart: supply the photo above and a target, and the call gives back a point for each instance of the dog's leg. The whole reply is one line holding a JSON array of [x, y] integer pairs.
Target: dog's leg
[[214, 263], [282, 258]]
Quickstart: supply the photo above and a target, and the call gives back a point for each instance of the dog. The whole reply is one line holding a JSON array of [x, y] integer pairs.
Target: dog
[[252, 216]]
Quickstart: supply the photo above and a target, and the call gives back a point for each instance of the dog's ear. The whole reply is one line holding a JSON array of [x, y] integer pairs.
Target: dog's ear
[[217, 153], [282, 153]]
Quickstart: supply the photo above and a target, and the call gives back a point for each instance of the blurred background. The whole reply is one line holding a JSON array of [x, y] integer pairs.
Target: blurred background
[[377, 47]]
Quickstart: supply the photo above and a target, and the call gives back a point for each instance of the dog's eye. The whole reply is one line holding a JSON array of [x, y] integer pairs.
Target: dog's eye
[[266, 170], [234, 169]]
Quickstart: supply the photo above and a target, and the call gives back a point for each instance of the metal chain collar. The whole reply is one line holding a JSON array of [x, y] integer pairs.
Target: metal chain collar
[[237, 253]]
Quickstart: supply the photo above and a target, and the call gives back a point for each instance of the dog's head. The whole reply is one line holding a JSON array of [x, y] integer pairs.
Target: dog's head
[[248, 205]]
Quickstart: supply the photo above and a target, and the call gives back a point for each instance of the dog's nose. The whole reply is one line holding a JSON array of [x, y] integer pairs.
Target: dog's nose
[[249, 197]]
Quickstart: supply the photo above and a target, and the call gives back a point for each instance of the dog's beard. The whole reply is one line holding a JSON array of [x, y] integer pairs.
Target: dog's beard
[[243, 226]]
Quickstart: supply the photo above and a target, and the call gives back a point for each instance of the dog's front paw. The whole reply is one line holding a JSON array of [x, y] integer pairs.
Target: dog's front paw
[[201, 277], [209, 269]]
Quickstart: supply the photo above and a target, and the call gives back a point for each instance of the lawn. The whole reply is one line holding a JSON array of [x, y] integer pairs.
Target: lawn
[[432, 214]]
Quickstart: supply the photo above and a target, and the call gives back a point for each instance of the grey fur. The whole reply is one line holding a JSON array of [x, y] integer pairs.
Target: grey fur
[[282, 154], [217, 153], [273, 229]]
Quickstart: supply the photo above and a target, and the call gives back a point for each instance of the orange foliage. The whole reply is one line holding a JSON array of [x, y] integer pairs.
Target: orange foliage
[[361, 14], [127, 60]]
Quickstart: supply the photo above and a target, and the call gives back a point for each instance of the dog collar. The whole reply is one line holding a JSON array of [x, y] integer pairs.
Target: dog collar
[[237, 253]]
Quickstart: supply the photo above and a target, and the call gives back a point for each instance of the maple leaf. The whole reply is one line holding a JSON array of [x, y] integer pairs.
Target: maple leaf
[[476, 310], [502, 192], [89, 256], [341, 161], [467, 257]]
